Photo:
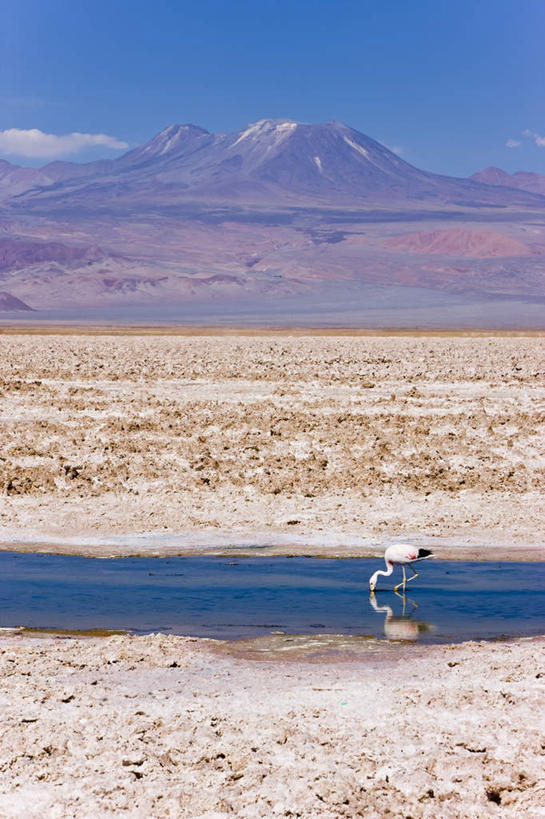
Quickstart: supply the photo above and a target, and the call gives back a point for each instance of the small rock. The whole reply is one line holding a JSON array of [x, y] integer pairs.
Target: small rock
[[136, 762]]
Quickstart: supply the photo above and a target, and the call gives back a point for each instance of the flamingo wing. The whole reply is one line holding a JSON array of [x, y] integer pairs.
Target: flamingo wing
[[401, 553]]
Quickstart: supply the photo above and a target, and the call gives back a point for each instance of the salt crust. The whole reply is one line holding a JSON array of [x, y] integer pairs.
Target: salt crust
[[162, 726]]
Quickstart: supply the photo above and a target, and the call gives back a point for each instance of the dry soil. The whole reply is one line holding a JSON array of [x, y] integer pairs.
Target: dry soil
[[310, 444]]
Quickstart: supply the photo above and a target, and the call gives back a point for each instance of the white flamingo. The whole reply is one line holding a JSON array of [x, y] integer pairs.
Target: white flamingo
[[404, 555]]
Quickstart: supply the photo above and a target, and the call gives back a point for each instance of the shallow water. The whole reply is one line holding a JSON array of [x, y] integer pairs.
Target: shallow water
[[240, 598]]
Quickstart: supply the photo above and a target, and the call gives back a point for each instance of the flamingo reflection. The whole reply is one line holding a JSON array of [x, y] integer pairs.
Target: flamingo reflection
[[401, 627]]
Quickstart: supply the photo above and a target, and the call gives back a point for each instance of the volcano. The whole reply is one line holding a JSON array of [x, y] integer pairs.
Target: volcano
[[271, 162], [281, 218]]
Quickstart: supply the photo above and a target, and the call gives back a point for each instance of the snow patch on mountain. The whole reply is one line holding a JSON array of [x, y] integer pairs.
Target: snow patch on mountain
[[266, 127], [170, 138], [357, 147]]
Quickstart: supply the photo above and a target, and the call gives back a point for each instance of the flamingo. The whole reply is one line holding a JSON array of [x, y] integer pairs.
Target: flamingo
[[402, 554]]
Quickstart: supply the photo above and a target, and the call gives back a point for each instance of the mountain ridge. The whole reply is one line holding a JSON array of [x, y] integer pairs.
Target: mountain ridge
[[522, 180], [269, 161], [279, 212]]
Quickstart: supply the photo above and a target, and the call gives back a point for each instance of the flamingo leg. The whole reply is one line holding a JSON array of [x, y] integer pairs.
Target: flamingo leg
[[415, 573], [404, 580]]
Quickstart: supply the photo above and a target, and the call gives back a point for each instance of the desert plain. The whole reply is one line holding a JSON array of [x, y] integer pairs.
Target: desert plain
[[318, 444], [322, 444]]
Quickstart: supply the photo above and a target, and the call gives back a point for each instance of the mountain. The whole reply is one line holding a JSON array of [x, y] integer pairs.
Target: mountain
[[20, 253], [279, 219], [11, 304], [14, 179], [271, 162], [523, 180]]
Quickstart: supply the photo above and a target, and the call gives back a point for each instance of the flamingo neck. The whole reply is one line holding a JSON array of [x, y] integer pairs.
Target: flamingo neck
[[390, 568]]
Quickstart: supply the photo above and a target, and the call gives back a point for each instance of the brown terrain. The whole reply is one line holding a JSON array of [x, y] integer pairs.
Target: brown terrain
[[169, 261], [333, 440], [457, 242]]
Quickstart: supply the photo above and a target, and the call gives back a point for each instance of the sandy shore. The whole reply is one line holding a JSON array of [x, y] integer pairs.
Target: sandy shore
[[304, 444], [172, 727]]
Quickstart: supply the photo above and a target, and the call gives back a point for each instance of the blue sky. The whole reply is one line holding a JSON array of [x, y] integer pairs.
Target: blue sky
[[446, 81]]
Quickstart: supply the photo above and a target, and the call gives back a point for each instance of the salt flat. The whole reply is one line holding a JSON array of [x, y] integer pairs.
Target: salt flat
[[306, 444], [163, 726]]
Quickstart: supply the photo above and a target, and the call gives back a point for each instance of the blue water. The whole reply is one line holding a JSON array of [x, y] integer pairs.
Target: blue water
[[239, 598]]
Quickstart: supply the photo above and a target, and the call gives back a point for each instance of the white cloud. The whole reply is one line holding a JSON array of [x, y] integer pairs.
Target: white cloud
[[512, 143], [539, 140], [37, 144]]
